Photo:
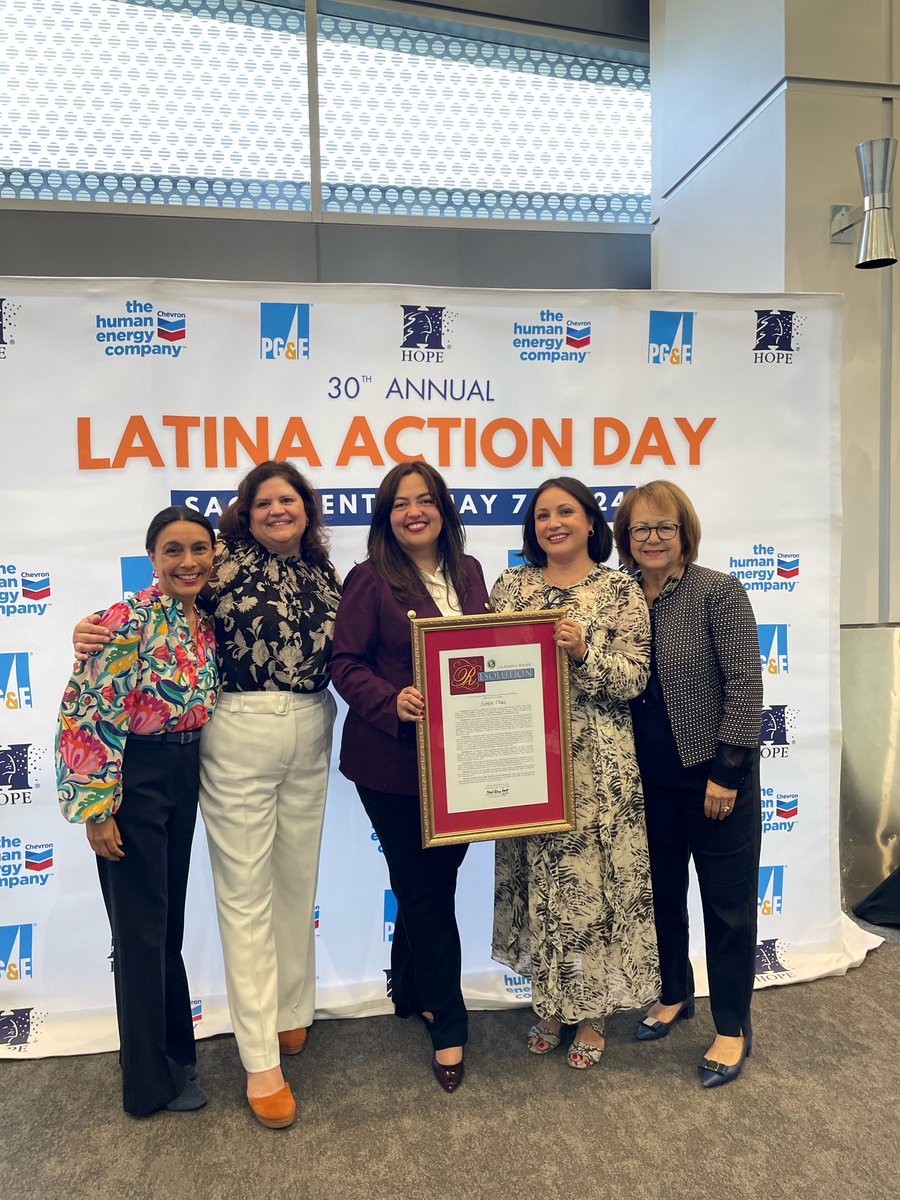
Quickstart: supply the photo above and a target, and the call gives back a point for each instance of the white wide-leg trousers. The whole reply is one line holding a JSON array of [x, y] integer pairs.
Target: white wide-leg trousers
[[263, 776]]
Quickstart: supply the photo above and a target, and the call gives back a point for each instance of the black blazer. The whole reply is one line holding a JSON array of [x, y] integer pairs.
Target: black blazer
[[707, 658]]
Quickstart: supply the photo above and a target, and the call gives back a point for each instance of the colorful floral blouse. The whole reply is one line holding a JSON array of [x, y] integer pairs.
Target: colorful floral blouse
[[148, 679]]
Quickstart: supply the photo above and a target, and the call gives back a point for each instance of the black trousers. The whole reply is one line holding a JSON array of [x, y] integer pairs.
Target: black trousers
[[426, 956], [726, 859], [144, 894]]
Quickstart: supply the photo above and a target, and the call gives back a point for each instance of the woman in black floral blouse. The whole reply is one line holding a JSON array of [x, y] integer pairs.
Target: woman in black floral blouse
[[264, 765]]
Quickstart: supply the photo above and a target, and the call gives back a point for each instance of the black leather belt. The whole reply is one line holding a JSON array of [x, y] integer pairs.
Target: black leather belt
[[170, 739]]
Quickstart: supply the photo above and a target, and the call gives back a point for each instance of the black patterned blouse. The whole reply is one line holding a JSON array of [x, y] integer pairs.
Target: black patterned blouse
[[274, 618]]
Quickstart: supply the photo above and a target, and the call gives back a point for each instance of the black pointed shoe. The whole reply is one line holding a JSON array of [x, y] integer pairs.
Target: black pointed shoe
[[715, 1074], [649, 1030]]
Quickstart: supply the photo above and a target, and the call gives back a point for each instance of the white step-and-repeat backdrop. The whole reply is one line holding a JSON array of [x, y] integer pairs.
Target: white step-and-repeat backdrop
[[122, 396]]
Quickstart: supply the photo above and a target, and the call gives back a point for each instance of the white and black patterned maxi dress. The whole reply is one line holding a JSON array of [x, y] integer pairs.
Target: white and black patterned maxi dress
[[575, 910]]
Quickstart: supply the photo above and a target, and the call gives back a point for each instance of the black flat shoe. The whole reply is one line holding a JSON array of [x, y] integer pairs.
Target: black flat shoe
[[449, 1077], [715, 1074], [650, 1030]]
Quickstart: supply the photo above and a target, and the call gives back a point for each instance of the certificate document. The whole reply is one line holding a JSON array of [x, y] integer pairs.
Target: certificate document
[[494, 748]]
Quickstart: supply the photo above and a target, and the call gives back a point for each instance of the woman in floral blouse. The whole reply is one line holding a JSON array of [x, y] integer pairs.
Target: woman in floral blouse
[[127, 767], [264, 765]]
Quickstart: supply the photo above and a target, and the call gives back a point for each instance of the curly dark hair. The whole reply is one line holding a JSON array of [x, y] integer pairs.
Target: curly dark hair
[[389, 559], [235, 520], [600, 542]]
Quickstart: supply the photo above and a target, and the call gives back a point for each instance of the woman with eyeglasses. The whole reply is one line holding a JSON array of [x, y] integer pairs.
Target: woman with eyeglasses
[[696, 729], [574, 911]]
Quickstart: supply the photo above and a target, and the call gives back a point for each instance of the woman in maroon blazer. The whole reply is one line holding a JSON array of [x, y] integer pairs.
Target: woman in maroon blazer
[[415, 567]]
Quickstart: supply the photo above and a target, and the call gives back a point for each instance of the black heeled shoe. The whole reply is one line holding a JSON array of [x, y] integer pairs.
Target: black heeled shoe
[[449, 1077], [649, 1030], [715, 1074]]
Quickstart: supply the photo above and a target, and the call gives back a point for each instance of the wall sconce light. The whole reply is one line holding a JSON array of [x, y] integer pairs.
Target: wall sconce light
[[876, 244]]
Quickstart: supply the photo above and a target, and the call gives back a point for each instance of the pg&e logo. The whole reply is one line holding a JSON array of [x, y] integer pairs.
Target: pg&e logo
[[16, 952], [283, 332], [770, 894], [137, 574], [777, 335], [671, 340], [390, 915], [15, 682], [773, 649], [424, 329]]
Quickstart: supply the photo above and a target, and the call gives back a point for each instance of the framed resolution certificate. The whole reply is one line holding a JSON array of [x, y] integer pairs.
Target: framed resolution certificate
[[495, 754]]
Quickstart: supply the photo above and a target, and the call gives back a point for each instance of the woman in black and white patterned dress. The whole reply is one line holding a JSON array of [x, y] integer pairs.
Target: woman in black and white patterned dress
[[574, 911], [696, 728]]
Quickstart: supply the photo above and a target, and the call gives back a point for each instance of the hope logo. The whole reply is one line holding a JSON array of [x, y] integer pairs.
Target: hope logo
[[16, 952], [770, 897], [284, 331], [671, 340], [8, 314], [768, 963], [15, 681], [16, 1027], [390, 915], [14, 766], [777, 727], [775, 329], [423, 327], [773, 649]]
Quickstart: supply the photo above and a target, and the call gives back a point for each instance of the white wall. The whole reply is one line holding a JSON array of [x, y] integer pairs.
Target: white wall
[[792, 86]]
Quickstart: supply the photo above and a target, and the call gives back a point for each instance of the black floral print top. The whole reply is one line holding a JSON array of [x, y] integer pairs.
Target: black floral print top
[[274, 618]]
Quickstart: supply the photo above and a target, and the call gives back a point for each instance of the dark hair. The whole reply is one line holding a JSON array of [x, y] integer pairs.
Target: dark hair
[[176, 512], [659, 494], [599, 544], [235, 520], [390, 561]]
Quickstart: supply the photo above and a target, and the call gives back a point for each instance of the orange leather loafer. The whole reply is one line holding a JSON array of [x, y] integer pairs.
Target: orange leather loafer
[[292, 1041], [276, 1111]]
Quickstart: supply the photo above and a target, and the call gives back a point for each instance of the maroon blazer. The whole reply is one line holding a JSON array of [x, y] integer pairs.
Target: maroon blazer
[[371, 662]]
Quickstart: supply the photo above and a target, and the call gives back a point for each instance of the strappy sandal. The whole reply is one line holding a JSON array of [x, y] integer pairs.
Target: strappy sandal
[[582, 1055], [542, 1040]]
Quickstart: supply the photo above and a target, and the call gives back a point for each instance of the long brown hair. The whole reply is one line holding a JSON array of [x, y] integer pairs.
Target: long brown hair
[[392, 564], [235, 520]]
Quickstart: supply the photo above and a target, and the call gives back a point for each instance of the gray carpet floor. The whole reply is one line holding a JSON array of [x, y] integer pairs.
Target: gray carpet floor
[[816, 1114]]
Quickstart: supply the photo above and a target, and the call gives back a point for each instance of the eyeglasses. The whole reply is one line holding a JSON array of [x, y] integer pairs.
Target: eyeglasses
[[665, 531]]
